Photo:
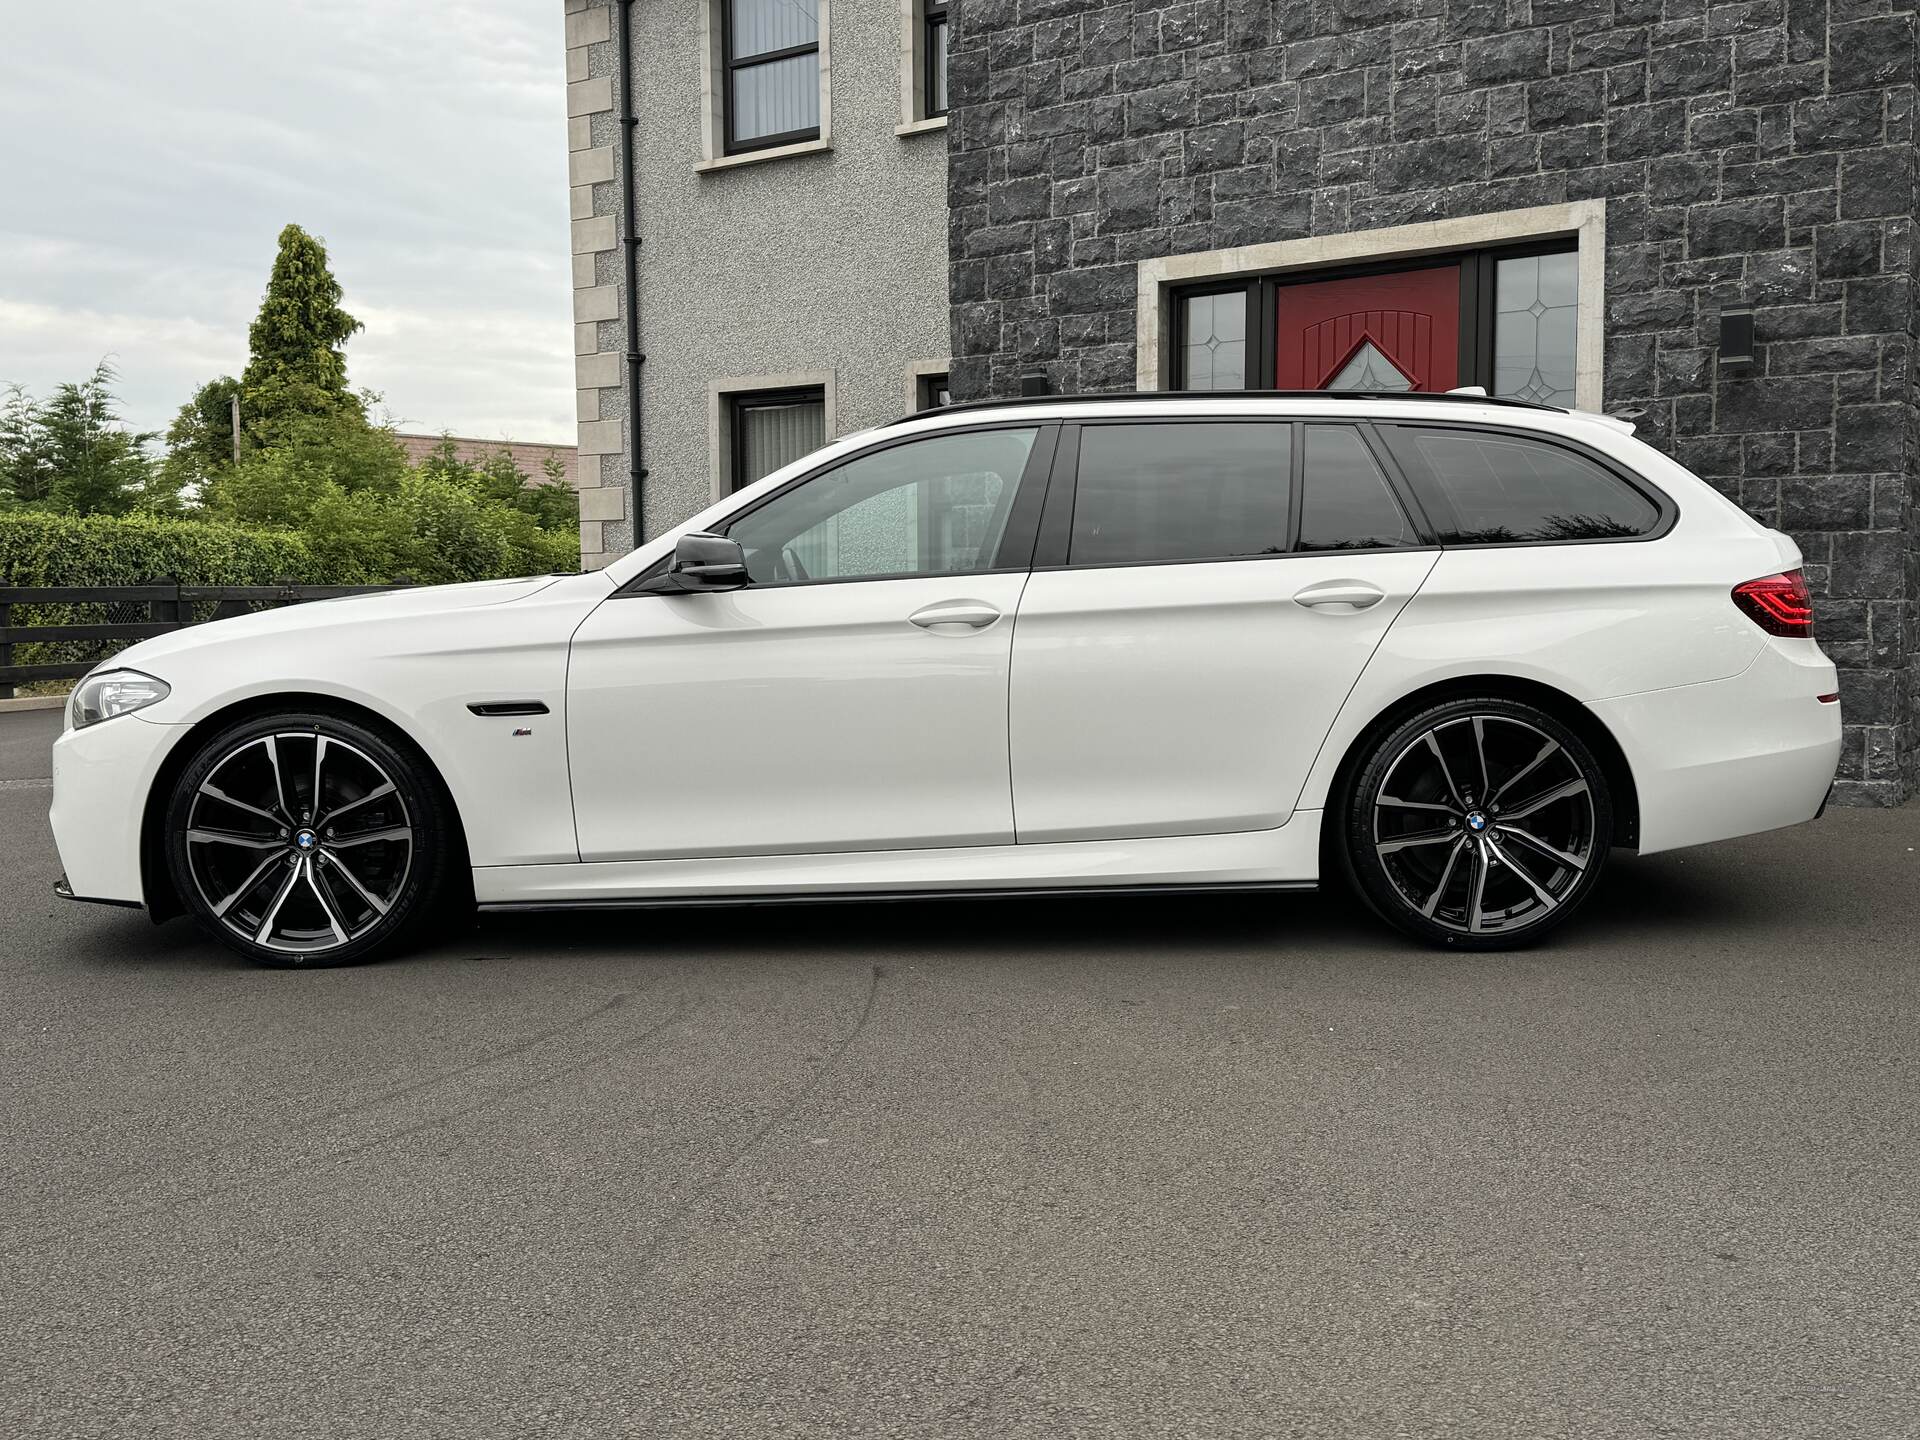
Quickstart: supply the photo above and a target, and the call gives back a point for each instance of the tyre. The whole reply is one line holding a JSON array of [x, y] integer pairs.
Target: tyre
[[306, 839], [1480, 824]]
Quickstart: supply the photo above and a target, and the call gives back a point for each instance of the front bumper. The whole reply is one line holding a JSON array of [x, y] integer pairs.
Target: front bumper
[[101, 779]]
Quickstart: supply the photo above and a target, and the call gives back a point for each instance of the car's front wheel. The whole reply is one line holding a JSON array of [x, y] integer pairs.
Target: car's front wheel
[[307, 839], [1480, 823]]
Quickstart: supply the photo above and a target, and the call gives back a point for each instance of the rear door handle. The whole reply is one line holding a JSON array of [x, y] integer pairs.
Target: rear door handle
[[1355, 595], [967, 614]]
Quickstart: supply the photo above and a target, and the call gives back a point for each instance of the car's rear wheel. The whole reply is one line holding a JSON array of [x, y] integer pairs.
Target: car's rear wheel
[[1480, 823], [307, 839]]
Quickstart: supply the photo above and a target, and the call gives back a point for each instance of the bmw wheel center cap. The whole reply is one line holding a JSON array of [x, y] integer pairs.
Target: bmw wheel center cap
[[1476, 822]]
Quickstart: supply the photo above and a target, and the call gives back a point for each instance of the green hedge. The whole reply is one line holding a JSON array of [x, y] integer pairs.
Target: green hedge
[[39, 549]]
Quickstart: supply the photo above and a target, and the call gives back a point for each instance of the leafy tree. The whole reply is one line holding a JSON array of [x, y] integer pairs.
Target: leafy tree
[[200, 440], [298, 360], [73, 453]]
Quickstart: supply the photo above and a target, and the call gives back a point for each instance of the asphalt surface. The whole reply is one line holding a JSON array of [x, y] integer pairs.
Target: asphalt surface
[[1121, 1168]]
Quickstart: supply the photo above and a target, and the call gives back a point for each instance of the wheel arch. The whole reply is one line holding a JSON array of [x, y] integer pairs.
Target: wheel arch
[[156, 882], [1563, 707]]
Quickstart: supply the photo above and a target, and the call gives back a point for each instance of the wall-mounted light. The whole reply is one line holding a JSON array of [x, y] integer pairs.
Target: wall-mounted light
[[1736, 338], [1035, 382]]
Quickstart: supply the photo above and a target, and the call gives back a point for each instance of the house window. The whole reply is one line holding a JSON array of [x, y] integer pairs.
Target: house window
[[933, 393], [1504, 320], [773, 428], [934, 49], [772, 55]]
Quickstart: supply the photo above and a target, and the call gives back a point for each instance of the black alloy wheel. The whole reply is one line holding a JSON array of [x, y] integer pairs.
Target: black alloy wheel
[[1479, 824], [307, 840]]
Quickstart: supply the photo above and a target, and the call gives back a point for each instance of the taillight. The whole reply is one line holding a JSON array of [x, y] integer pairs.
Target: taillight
[[1778, 604]]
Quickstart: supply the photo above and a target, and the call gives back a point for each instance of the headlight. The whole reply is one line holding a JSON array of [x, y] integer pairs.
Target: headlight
[[107, 693]]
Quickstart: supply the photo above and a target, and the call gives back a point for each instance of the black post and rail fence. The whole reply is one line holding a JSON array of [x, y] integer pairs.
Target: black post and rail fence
[[45, 618]]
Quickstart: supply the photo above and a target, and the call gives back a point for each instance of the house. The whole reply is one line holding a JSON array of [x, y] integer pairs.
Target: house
[[1697, 216], [531, 458]]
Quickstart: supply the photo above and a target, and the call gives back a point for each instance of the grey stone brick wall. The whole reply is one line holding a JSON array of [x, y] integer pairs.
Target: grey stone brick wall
[[1759, 152]]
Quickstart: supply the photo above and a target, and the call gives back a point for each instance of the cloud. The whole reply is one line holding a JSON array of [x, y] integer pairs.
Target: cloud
[[155, 152]]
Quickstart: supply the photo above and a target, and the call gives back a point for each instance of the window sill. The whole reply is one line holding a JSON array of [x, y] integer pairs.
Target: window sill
[[921, 127], [774, 152]]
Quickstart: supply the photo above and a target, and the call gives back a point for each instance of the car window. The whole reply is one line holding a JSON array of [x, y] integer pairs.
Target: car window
[[1346, 502], [1194, 491], [929, 507], [1482, 488]]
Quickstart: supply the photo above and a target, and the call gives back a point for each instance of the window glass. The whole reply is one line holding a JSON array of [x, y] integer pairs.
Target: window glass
[[1481, 488], [930, 507], [772, 97], [1196, 491], [1216, 342], [936, 58], [1533, 328], [772, 431], [934, 392], [1345, 501]]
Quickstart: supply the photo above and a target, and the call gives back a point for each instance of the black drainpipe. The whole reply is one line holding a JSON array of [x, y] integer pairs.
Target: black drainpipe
[[630, 248]]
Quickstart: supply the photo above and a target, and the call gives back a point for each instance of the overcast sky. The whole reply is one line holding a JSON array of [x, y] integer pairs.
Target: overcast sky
[[150, 154]]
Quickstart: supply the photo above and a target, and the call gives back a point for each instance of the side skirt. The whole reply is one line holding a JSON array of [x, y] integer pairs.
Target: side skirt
[[868, 897], [1286, 857]]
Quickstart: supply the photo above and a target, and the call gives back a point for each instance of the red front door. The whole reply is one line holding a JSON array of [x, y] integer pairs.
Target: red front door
[[1373, 332]]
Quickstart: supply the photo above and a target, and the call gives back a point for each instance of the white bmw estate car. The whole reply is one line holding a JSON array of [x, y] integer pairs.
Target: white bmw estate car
[[1453, 649]]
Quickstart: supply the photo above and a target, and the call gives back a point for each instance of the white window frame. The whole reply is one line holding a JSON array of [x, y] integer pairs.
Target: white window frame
[[1585, 221]]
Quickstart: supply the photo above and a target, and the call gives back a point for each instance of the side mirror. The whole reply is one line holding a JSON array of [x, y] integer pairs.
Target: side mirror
[[702, 561]]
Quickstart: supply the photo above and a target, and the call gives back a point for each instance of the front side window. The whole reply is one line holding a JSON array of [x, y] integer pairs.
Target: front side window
[[772, 50], [775, 428], [934, 39], [1346, 502], [928, 507], [1193, 491], [1480, 488]]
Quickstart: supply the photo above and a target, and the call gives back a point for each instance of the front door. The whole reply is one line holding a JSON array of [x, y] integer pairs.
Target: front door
[[853, 697], [1397, 331]]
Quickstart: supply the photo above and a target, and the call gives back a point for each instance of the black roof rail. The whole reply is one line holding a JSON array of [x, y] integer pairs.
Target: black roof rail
[[1103, 397]]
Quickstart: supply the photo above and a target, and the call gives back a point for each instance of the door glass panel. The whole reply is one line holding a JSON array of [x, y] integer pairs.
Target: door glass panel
[[930, 507], [1346, 502], [1481, 488], [1369, 370], [1194, 491], [1534, 328], [774, 433], [1216, 342]]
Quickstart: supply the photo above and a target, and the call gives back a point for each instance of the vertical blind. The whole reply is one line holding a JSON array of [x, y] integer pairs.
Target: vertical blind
[[772, 435], [775, 96]]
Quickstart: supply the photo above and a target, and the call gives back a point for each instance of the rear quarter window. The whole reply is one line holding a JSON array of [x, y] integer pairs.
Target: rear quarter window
[[1487, 488]]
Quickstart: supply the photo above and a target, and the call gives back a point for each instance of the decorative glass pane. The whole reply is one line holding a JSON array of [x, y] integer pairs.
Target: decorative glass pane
[[775, 435], [757, 26], [1216, 357], [937, 66], [1369, 369], [776, 98], [1535, 306]]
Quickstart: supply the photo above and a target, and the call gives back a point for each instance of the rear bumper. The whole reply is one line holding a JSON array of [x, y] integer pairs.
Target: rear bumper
[[1732, 757]]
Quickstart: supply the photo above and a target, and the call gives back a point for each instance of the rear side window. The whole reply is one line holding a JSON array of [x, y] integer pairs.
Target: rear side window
[[1345, 500], [1480, 488], [1183, 491]]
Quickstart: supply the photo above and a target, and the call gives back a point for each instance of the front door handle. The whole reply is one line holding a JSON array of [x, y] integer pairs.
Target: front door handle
[[959, 614], [1354, 595]]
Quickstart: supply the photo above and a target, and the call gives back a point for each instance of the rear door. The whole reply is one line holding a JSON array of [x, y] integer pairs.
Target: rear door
[[1205, 596]]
